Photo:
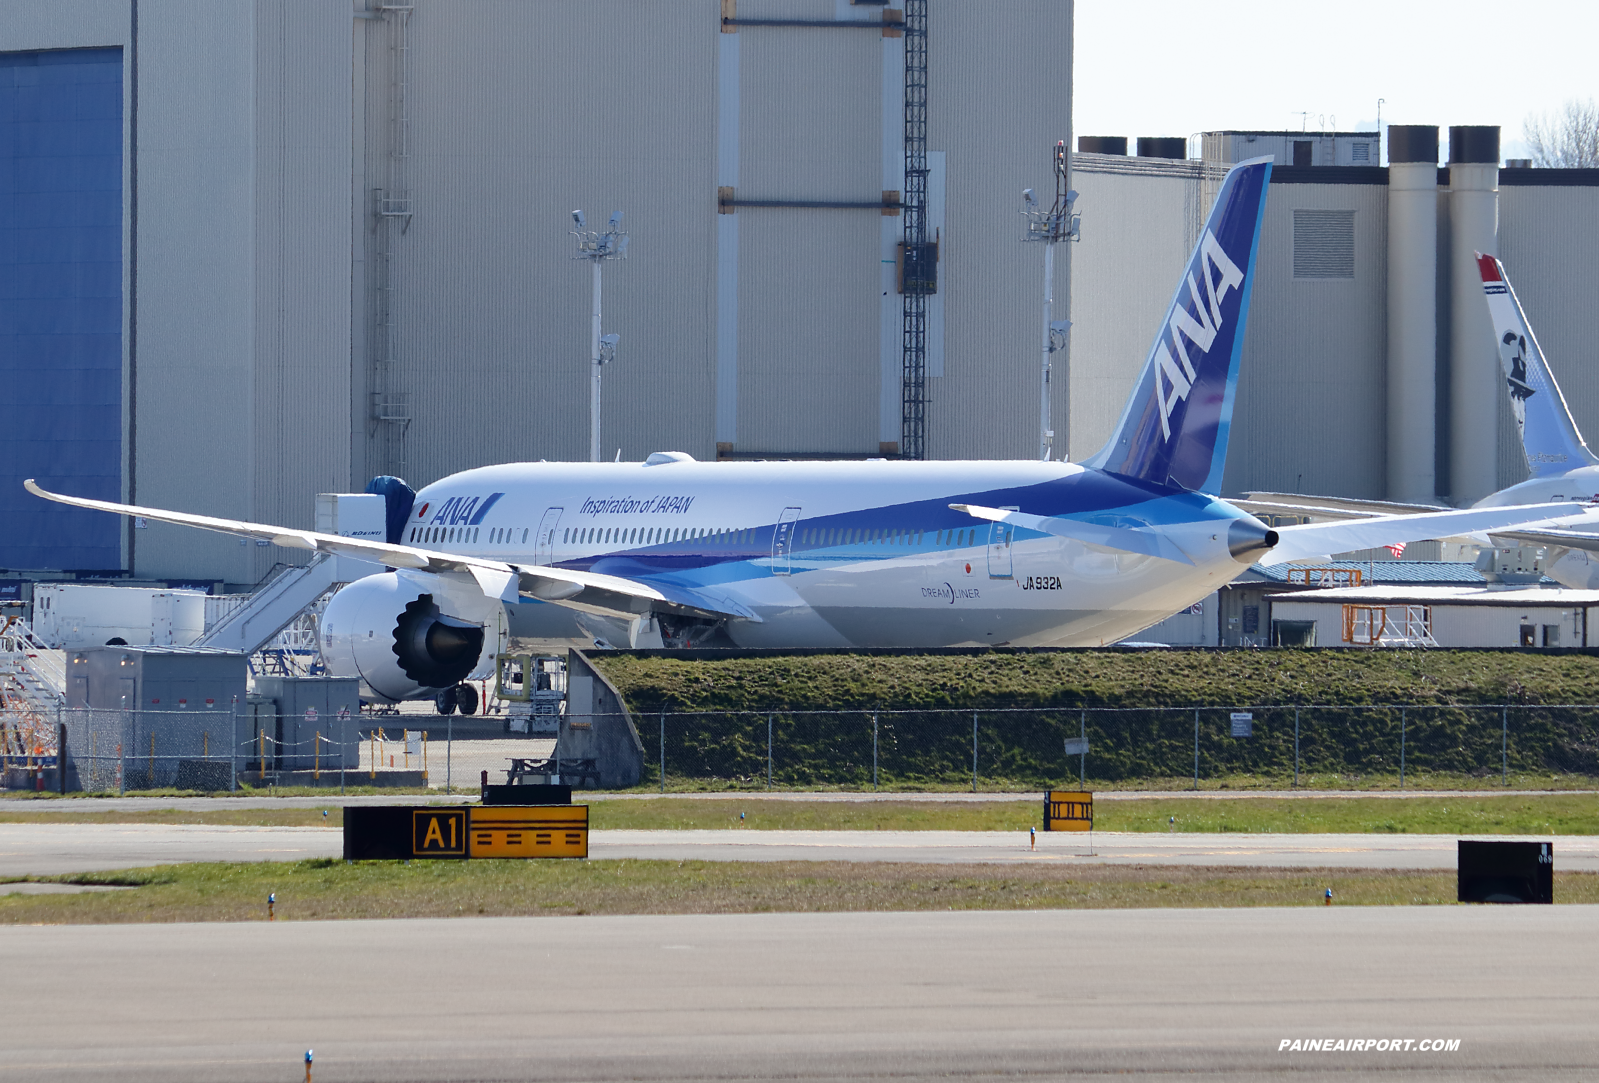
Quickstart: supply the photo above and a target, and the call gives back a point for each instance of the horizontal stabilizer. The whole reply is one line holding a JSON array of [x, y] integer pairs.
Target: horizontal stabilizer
[[1127, 539], [1313, 541]]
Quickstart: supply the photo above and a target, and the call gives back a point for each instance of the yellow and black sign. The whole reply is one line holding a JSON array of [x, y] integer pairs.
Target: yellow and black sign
[[530, 831], [402, 832], [438, 832], [1068, 810]]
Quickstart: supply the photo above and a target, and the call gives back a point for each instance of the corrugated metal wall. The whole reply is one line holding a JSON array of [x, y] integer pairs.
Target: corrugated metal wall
[[302, 265], [1312, 386], [810, 128], [195, 425], [1137, 219], [520, 113], [999, 97]]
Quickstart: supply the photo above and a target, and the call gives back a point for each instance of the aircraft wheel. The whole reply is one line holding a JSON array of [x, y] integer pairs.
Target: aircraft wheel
[[466, 698], [445, 701]]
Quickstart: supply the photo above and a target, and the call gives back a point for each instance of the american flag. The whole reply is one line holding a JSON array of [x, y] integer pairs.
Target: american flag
[[1397, 550]]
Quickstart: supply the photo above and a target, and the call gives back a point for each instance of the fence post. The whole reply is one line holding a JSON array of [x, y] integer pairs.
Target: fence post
[[1196, 748], [1401, 748], [1082, 759], [768, 752], [1504, 744], [1296, 748], [663, 751], [449, 749], [61, 752], [974, 751], [233, 750], [874, 750]]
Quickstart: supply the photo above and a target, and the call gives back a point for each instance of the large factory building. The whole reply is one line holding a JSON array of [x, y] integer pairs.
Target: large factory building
[[254, 250], [276, 247]]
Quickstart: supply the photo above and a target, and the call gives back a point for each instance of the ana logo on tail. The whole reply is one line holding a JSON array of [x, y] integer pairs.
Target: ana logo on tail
[[1198, 327]]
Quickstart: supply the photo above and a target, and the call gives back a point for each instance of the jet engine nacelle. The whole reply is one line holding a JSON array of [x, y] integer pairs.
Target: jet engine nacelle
[[409, 634]]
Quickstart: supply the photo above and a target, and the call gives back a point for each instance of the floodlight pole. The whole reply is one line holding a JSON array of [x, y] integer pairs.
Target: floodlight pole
[[1049, 228], [597, 247], [595, 366]]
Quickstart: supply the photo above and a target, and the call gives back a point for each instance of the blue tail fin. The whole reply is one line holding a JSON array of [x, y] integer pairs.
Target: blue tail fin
[[1174, 429]]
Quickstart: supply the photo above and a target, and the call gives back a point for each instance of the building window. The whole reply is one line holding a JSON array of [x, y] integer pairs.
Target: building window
[[1324, 244], [1302, 149], [1360, 152]]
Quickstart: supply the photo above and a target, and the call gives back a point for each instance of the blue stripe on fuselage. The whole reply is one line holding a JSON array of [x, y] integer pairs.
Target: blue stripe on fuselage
[[1090, 496]]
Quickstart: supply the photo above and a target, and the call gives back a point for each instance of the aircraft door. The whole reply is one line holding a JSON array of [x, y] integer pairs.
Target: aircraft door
[[544, 544], [1000, 536], [783, 541]]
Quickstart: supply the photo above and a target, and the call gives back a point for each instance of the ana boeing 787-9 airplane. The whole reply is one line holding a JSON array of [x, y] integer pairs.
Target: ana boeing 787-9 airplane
[[821, 554]]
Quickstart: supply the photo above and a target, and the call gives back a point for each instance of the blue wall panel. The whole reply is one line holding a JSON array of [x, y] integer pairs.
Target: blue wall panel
[[60, 304]]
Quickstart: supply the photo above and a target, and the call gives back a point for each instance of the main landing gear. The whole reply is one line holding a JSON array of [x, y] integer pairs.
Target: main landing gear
[[462, 697]]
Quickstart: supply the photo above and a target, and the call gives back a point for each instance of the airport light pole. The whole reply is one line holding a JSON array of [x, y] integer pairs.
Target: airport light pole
[[597, 247], [1049, 228]]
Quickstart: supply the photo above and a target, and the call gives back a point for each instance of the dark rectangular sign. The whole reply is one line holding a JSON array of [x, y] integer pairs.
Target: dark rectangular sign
[[1505, 872], [403, 832]]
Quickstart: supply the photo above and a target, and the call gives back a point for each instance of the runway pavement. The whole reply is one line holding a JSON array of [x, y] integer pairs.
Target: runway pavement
[[53, 848], [466, 791], [1139, 994]]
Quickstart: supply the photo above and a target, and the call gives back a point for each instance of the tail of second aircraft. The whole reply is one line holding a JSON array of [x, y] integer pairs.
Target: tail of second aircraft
[[1549, 435], [1174, 428]]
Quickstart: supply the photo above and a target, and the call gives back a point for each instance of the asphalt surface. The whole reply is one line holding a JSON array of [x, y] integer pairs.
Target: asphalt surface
[[54, 848], [466, 790], [1138, 994]]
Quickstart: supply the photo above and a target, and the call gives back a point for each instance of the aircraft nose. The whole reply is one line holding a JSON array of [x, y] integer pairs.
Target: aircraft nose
[[1247, 539]]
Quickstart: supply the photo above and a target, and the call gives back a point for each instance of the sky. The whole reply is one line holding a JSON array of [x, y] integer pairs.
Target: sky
[[1161, 67]]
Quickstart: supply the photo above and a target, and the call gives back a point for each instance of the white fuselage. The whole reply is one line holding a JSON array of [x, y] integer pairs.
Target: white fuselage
[[839, 554]]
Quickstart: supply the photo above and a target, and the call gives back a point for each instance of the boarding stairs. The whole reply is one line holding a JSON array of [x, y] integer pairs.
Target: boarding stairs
[[33, 682], [279, 603]]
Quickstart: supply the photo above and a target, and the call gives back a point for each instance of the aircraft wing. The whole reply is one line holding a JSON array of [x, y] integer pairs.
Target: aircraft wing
[[1310, 541], [1127, 539], [607, 595], [1327, 507], [1569, 539]]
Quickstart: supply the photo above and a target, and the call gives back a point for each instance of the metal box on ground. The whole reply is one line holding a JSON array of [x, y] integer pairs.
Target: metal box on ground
[[312, 722], [1505, 872], [155, 678], [139, 717]]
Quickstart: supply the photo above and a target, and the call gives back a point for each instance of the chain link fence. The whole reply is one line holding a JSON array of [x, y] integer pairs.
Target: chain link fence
[[893, 749], [1001, 749]]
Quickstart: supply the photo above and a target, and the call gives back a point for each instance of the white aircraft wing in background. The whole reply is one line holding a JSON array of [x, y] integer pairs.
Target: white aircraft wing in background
[[589, 592], [1313, 541], [1328, 507]]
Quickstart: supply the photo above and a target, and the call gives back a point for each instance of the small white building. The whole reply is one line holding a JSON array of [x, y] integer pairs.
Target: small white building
[[1444, 616]]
